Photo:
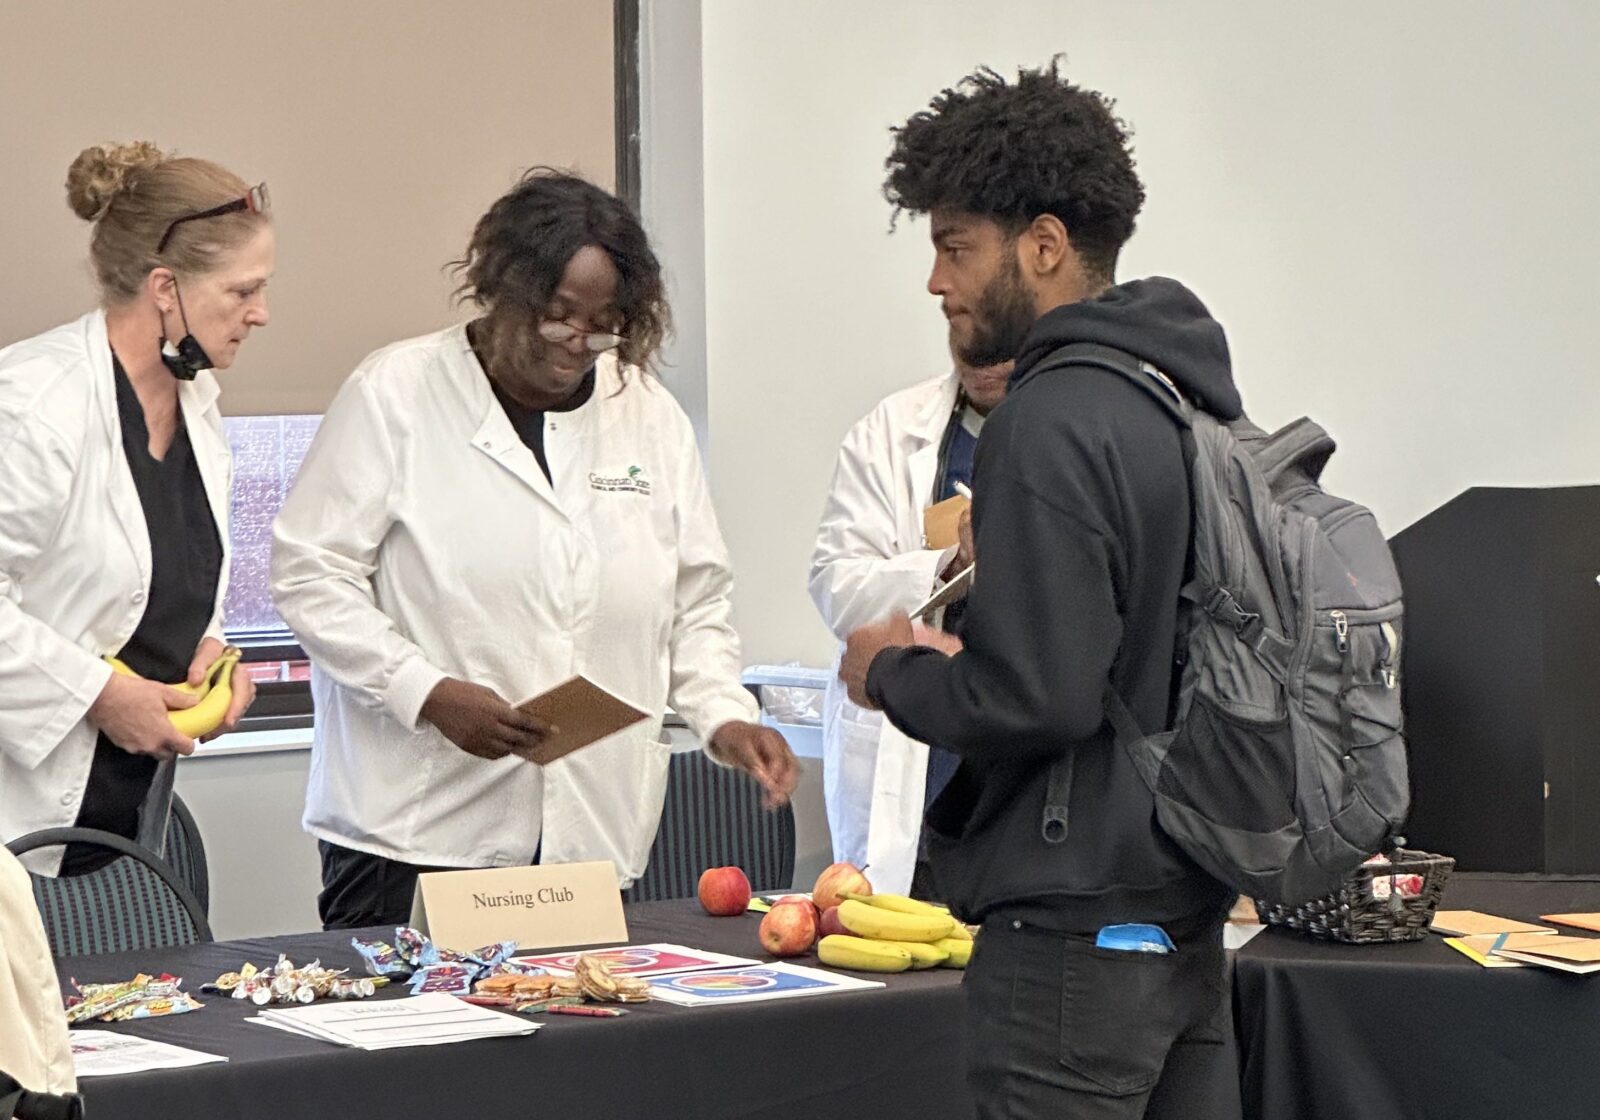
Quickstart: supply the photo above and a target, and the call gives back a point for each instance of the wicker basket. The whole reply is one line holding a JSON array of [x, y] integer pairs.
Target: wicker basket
[[1369, 908]]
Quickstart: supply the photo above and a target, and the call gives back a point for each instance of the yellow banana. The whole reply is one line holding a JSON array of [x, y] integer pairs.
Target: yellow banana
[[957, 952], [960, 932], [891, 925], [900, 904], [215, 692], [926, 954], [862, 955]]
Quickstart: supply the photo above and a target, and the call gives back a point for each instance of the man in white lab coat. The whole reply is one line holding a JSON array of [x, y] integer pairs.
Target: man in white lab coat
[[872, 559]]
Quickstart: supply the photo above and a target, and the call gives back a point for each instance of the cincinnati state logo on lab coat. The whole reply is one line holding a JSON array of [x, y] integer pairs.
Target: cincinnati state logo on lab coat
[[632, 482]]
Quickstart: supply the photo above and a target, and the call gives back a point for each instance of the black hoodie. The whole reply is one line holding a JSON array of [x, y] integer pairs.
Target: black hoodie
[[1081, 516]]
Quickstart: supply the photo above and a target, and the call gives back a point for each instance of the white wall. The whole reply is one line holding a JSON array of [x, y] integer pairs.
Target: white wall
[[1391, 208]]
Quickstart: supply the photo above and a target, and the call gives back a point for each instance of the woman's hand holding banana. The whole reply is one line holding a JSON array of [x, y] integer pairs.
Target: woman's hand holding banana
[[135, 714], [147, 717]]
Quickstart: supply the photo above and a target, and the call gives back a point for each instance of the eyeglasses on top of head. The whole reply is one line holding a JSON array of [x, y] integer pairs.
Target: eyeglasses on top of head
[[257, 201]]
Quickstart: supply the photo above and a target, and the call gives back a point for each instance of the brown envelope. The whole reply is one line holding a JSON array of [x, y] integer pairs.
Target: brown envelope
[[1582, 921], [1472, 923], [582, 713], [940, 522]]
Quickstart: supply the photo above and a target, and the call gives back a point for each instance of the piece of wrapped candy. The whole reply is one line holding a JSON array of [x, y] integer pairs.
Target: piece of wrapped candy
[[381, 958], [155, 1008], [492, 956], [96, 1000], [414, 947], [455, 979]]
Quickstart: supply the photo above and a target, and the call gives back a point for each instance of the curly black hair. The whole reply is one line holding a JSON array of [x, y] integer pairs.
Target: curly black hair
[[1011, 152], [521, 247]]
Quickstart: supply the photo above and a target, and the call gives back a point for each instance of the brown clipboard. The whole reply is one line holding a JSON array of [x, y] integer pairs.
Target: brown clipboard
[[582, 713]]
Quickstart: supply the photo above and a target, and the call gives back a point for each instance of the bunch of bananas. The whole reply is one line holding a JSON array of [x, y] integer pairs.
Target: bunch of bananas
[[215, 692], [891, 933]]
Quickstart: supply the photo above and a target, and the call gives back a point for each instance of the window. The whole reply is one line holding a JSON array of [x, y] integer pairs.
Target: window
[[267, 451]]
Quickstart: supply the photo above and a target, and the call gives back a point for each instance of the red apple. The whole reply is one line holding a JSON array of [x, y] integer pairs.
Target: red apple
[[800, 900], [788, 930], [835, 882], [830, 923], [724, 891]]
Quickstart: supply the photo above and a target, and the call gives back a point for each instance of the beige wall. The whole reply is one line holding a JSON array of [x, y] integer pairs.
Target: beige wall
[[383, 130]]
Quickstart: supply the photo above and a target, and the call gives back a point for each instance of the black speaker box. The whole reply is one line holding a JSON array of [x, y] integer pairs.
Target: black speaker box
[[1500, 674]]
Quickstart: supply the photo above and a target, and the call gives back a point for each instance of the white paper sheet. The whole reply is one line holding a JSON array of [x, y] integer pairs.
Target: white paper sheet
[[425, 1020], [100, 1053]]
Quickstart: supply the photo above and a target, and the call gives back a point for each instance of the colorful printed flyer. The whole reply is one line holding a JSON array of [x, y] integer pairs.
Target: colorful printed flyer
[[660, 959], [754, 984]]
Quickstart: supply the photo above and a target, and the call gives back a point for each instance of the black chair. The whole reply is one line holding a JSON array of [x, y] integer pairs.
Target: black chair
[[185, 853], [713, 817], [134, 902]]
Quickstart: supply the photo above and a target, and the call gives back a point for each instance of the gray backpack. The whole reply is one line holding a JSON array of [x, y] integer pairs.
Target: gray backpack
[[1285, 768]]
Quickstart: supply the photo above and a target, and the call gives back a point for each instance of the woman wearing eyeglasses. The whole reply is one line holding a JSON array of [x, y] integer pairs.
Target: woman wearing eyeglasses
[[114, 479], [485, 513]]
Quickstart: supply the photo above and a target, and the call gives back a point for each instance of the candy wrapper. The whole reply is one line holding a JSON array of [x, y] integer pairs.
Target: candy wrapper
[[436, 969], [283, 983], [1406, 886], [455, 979], [414, 947], [143, 997], [382, 959], [493, 956]]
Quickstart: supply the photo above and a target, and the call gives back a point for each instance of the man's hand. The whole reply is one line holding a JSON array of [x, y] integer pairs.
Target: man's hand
[[966, 548], [244, 689], [133, 714], [480, 722], [760, 752], [865, 644], [933, 638]]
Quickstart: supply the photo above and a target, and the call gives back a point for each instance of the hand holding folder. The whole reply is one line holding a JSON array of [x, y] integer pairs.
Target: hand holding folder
[[580, 712]]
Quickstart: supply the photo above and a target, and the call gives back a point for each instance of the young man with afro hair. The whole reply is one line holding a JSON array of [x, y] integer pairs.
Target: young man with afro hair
[[1046, 835]]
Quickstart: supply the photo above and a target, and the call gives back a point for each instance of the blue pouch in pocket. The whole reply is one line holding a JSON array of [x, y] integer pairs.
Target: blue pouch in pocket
[[1135, 938]]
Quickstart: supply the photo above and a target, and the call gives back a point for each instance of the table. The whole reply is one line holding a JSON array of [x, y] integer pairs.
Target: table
[[883, 1053], [1416, 1030]]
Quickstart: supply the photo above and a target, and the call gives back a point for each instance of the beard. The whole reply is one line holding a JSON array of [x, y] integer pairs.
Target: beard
[[1001, 320]]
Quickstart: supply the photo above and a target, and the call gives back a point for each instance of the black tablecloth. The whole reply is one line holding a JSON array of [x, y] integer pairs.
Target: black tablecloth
[[866, 1054], [1417, 1031]]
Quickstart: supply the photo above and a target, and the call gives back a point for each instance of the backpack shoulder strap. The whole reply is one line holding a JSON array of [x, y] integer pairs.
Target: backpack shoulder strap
[[1161, 389], [1145, 376]]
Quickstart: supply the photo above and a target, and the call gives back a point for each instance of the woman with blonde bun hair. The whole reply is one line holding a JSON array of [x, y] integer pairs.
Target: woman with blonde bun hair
[[114, 482]]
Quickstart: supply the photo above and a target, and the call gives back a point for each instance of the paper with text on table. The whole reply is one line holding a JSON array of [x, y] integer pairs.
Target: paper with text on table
[[582, 713]]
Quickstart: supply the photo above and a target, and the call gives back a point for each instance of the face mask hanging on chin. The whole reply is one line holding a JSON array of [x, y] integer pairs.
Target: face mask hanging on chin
[[188, 358]]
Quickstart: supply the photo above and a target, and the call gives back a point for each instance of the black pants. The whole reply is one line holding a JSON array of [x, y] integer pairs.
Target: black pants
[[359, 889], [1059, 1028]]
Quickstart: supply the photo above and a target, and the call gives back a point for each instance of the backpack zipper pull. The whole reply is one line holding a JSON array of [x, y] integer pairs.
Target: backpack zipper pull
[[1341, 630], [1391, 654]]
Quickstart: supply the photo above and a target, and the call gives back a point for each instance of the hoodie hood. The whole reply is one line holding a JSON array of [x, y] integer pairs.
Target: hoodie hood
[[1157, 321]]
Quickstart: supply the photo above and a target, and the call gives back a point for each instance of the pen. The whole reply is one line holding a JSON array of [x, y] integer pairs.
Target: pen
[[593, 1012], [962, 489]]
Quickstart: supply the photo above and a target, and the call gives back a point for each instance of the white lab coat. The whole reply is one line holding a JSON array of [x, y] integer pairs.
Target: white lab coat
[[74, 560], [421, 540], [869, 561]]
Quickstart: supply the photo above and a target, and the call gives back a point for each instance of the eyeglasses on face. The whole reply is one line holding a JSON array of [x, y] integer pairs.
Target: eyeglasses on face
[[553, 330], [257, 201]]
